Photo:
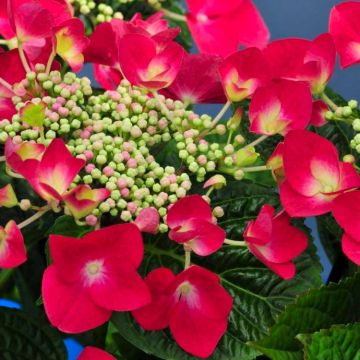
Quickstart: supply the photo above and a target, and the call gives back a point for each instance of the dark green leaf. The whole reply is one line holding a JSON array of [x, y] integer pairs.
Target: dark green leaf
[[312, 311], [66, 225], [338, 342], [24, 338]]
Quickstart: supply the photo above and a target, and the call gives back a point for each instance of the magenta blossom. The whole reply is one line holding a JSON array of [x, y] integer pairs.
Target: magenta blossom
[[192, 304], [275, 242], [190, 221], [93, 276]]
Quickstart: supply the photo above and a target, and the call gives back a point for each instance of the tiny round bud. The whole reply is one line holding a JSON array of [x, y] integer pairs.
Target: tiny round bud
[[25, 204], [239, 174], [349, 159]]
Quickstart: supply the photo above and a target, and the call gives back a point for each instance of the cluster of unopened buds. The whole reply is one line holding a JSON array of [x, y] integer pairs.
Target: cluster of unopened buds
[[97, 155]]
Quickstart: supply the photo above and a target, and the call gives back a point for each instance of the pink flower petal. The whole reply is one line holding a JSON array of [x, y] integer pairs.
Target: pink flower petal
[[92, 353], [298, 205], [68, 306], [344, 28], [189, 207], [280, 107], [221, 30], [243, 72], [12, 246], [346, 210], [351, 248], [148, 220], [155, 316], [193, 85], [121, 290], [311, 163]]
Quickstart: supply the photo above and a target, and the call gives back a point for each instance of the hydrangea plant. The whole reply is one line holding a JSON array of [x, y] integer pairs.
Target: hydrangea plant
[[150, 231]]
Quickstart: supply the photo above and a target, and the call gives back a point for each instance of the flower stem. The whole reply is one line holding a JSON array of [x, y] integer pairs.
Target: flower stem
[[208, 193], [50, 62], [256, 142], [221, 113], [2, 158], [5, 84], [23, 57], [328, 101], [173, 15], [3, 42], [12, 174], [255, 168], [187, 258], [235, 242], [34, 217]]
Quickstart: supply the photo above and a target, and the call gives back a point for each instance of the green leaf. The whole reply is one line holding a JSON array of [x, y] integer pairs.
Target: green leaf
[[65, 225], [33, 114], [338, 342], [312, 311], [259, 295], [22, 337]]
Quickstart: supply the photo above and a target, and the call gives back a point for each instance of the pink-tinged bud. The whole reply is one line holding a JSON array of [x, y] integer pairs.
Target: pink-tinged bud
[[131, 206], [217, 181], [163, 123], [163, 195], [108, 171], [17, 139], [131, 163], [120, 107], [186, 184], [89, 168], [202, 160], [164, 182], [54, 117], [56, 106], [202, 141], [89, 154], [148, 220], [8, 197], [63, 111], [91, 220], [128, 146], [188, 134], [85, 134], [121, 183], [124, 192], [61, 100], [172, 178], [81, 156], [151, 130], [111, 202], [125, 155]]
